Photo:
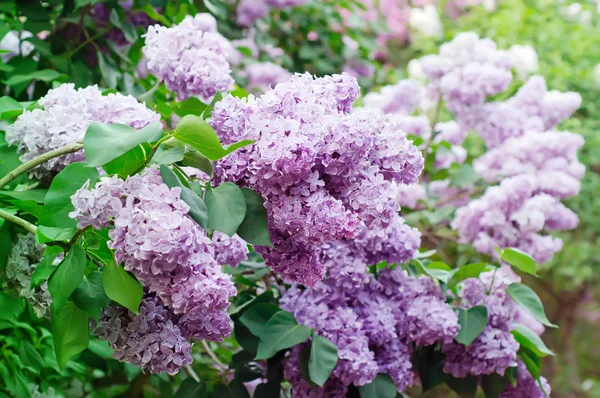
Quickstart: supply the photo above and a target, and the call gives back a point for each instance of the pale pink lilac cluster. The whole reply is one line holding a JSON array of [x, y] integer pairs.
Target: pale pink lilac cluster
[[374, 322], [190, 58], [515, 214], [263, 76], [151, 340], [249, 11], [154, 238], [323, 171], [67, 112], [229, 250]]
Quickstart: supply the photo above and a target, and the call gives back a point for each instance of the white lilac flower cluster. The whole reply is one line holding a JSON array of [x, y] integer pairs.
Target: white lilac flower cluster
[[67, 112]]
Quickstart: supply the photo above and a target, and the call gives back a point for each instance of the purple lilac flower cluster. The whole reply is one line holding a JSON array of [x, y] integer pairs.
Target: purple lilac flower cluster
[[249, 11], [101, 15], [263, 76], [324, 172], [495, 350], [66, 116], [191, 58], [515, 213], [375, 323], [154, 238]]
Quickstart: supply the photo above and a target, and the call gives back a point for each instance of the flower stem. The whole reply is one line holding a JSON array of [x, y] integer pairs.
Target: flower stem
[[43, 158], [18, 220], [212, 356]]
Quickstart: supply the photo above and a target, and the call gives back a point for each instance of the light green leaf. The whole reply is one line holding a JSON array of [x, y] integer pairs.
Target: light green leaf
[[45, 234], [281, 332], [105, 142], [9, 108], [45, 75], [254, 228], [256, 317], [323, 358], [527, 338], [89, 295], [381, 387], [472, 322], [70, 331], [529, 300], [11, 306], [122, 287], [436, 270], [520, 260], [466, 272], [226, 207], [68, 276]]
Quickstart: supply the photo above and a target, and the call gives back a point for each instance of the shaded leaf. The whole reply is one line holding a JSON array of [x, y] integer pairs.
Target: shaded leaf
[[472, 322], [281, 332], [70, 331], [122, 287], [67, 276], [226, 207]]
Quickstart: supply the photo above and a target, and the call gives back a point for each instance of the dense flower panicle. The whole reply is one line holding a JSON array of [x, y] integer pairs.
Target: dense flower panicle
[[23, 259], [323, 171], [415, 125], [527, 386], [550, 156], [263, 76], [249, 11], [402, 97], [65, 118], [154, 238], [191, 58], [373, 322], [467, 70], [410, 195], [514, 214], [230, 251], [150, 340]]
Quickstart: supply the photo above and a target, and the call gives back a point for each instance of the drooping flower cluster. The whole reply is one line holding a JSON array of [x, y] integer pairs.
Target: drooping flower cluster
[[495, 349], [263, 76], [515, 214], [154, 237], [323, 171], [151, 340], [191, 58], [65, 118], [375, 323], [467, 70], [23, 259]]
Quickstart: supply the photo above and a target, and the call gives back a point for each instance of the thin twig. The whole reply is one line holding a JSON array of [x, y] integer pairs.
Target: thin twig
[[18, 220], [212, 356], [78, 235], [458, 196], [43, 158], [192, 373]]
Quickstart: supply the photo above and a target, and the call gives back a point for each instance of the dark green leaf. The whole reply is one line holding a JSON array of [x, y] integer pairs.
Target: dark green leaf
[[105, 142], [190, 106], [57, 204], [193, 158], [466, 272], [381, 387], [198, 209], [122, 287], [191, 389], [465, 387], [494, 385], [527, 338], [256, 317], [108, 71], [472, 322], [226, 207], [128, 163], [254, 228], [44, 269], [529, 300], [281, 332], [89, 295], [532, 362], [30, 356], [101, 348], [70, 331], [323, 358], [68, 276], [12, 306], [54, 234], [520, 260]]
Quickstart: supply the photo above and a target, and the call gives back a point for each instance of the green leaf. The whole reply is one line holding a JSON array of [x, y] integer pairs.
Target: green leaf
[[57, 204], [529, 300], [206, 113], [527, 338], [254, 228], [9, 108], [472, 322], [68, 276], [226, 207], [108, 71], [465, 387], [466, 272], [11, 306], [436, 270], [128, 163], [122, 287], [170, 151], [494, 385], [195, 131], [281, 332], [381, 387], [256, 317], [190, 106], [519, 259], [30, 356], [45, 234], [89, 295], [70, 331], [323, 358], [190, 389], [105, 142], [44, 269], [36, 195], [463, 176], [101, 348], [193, 158], [45, 75], [532, 362], [198, 209]]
